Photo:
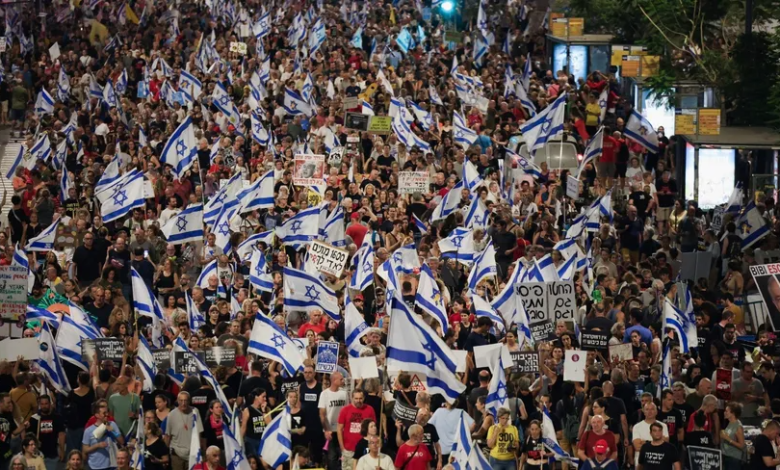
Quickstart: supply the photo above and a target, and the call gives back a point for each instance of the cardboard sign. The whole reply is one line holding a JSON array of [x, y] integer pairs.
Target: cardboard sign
[[544, 331], [574, 366], [533, 295], [594, 340], [350, 102], [526, 361], [162, 359], [185, 363], [220, 356], [487, 355], [356, 121], [309, 170], [404, 413], [107, 349], [11, 349], [572, 187], [327, 357], [560, 298], [13, 292], [623, 352], [380, 124], [363, 368], [411, 182], [704, 458], [54, 51], [327, 258]]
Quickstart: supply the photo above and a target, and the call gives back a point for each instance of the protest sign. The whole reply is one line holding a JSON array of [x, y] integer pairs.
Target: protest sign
[[220, 356], [363, 367], [185, 362], [717, 219], [533, 296], [525, 361], [162, 359], [413, 182], [11, 349], [560, 298], [574, 366], [107, 349], [704, 458], [380, 124], [327, 258], [767, 279], [309, 170], [487, 355], [621, 352], [592, 340], [13, 292], [356, 121], [327, 357], [404, 413], [572, 187]]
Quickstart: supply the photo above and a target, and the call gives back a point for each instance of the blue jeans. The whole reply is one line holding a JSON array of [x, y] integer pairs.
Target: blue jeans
[[496, 464]]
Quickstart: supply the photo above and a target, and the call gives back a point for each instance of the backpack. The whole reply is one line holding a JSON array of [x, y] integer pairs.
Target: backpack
[[571, 427]]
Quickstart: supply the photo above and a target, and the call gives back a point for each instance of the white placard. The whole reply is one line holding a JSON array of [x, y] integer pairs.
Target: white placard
[[309, 170], [326, 258], [623, 352], [54, 51], [3, 44], [411, 182], [148, 189], [574, 366], [533, 296], [487, 356], [460, 360], [572, 187], [10, 349], [363, 367]]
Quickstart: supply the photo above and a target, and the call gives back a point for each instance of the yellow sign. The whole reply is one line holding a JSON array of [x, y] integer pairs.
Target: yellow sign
[[650, 65], [685, 122], [619, 51], [630, 65], [380, 124], [559, 27], [314, 198], [553, 17], [576, 26], [709, 122], [564, 27]]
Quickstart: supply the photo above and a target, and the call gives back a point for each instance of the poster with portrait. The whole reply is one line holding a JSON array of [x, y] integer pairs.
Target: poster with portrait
[[767, 279], [309, 170]]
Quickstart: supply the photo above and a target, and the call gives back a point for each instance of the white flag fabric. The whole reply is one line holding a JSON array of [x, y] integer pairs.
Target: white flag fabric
[[639, 129], [269, 341], [69, 338], [186, 226], [303, 291], [260, 195], [484, 266], [181, 150], [355, 327], [45, 240], [430, 299], [752, 225], [497, 397], [301, 228], [593, 150], [146, 363], [510, 306], [545, 125], [49, 361], [459, 245], [276, 442], [122, 196], [449, 203], [144, 301], [258, 273]]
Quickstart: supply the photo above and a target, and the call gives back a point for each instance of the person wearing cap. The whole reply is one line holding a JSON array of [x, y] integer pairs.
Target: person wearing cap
[[597, 433], [601, 459], [658, 454], [356, 231]]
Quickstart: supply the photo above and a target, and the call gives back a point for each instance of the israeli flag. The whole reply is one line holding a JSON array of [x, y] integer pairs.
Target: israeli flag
[[227, 195], [497, 396], [302, 291], [181, 150], [110, 175], [414, 347], [247, 247], [551, 441], [259, 133], [44, 104], [203, 279], [593, 150], [60, 155], [190, 86], [567, 269], [510, 306], [357, 39], [407, 136], [405, 41], [186, 226], [41, 314], [144, 301], [423, 117], [525, 77], [162, 65], [65, 182], [525, 100], [484, 266], [406, 258], [388, 272], [734, 204], [145, 360], [333, 231], [317, 37], [63, 86], [301, 228], [545, 125], [545, 269], [269, 341], [276, 442], [122, 196], [481, 46], [180, 346], [222, 227], [224, 103], [95, 90], [449, 203], [121, 82], [363, 275], [419, 224], [355, 327], [434, 96], [458, 245], [45, 240], [666, 369], [294, 104], [676, 320], [20, 260], [467, 454], [260, 195], [482, 308], [109, 95], [70, 335], [366, 108], [258, 273], [478, 215], [603, 100], [49, 361], [430, 299], [262, 28], [42, 148], [524, 164], [641, 131]]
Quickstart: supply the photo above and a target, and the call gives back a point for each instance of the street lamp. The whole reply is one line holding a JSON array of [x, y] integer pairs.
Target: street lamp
[[447, 6]]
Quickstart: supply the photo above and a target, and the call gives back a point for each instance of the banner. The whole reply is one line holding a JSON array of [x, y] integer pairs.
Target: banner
[[309, 170], [704, 458], [411, 182], [525, 361], [767, 279], [327, 258], [13, 292], [594, 340], [107, 349], [185, 363], [327, 357]]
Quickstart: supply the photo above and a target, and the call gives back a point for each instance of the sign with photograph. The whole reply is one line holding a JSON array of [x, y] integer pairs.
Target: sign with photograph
[[327, 357], [767, 279], [327, 258], [413, 182], [621, 352], [356, 121], [162, 359], [309, 170]]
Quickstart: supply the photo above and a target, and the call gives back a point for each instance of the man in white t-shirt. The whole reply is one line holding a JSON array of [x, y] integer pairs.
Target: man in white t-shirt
[[332, 400], [374, 459], [641, 431]]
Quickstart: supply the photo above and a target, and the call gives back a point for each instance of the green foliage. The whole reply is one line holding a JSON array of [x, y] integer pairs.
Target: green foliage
[[755, 63]]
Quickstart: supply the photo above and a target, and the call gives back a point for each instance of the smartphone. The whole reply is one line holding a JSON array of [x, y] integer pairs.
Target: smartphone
[[146, 254]]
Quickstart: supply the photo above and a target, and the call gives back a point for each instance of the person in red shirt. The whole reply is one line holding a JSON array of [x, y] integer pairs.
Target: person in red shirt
[[212, 460], [596, 82], [315, 322], [356, 231], [606, 165], [349, 424], [413, 454]]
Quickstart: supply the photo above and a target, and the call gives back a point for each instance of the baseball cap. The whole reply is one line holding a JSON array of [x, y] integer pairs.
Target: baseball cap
[[601, 447], [355, 215], [358, 297]]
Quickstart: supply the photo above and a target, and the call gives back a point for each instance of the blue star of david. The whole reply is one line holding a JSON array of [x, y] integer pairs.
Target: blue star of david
[[431, 363], [224, 100], [259, 269], [546, 125], [237, 457], [501, 392], [224, 228], [478, 220], [296, 225], [220, 197], [312, 293], [180, 147], [185, 84], [603, 103], [459, 134], [258, 128], [181, 224], [367, 267], [397, 257], [457, 240], [436, 295], [120, 197], [278, 340]]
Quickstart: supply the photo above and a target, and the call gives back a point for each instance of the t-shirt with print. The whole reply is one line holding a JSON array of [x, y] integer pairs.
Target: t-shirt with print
[[47, 427], [351, 418], [506, 442], [660, 457], [674, 422], [332, 402]]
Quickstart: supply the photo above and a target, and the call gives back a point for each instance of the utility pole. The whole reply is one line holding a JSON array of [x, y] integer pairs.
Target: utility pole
[[748, 17]]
